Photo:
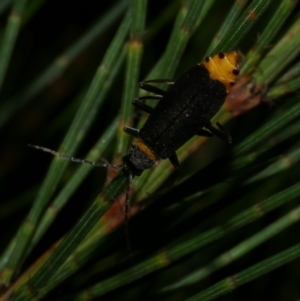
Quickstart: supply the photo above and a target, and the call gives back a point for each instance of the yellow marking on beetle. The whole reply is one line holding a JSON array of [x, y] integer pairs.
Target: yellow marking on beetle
[[224, 67], [146, 150]]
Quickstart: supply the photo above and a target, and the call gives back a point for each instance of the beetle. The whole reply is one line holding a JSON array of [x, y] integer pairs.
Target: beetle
[[183, 111]]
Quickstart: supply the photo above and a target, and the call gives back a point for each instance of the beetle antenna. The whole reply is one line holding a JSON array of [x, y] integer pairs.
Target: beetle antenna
[[77, 160]]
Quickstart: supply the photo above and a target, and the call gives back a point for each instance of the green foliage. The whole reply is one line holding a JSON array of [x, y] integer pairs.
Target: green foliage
[[223, 227]]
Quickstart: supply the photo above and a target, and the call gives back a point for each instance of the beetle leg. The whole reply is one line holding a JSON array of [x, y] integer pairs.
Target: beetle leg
[[142, 106], [150, 88], [160, 81], [131, 131], [228, 137], [222, 133], [157, 97], [174, 160], [145, 85], [204, 133]]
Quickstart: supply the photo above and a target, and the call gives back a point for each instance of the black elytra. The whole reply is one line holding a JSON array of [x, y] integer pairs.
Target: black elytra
[[182, 112]]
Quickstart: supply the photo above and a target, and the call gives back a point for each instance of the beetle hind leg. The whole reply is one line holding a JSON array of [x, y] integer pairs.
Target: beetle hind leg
[[222, 133]]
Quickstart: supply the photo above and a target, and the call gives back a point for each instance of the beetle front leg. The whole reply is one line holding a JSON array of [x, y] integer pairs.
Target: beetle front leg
[[145, 85]]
